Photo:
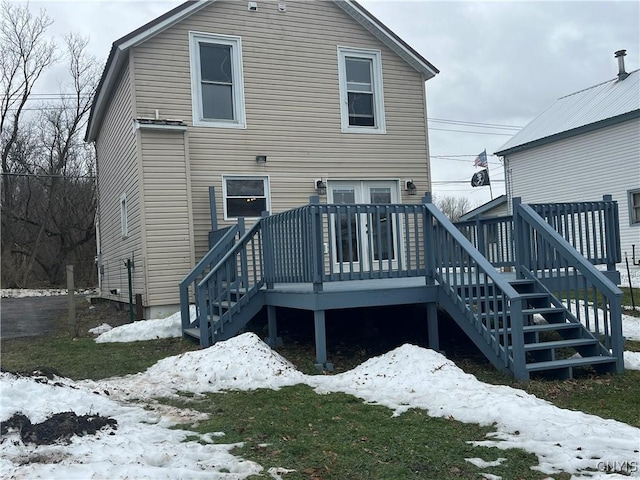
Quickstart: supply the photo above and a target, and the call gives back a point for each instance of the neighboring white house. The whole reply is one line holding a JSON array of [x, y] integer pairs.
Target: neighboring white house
[[584, 146]]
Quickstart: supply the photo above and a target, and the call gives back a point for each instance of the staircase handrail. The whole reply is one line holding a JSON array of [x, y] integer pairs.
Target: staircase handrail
[[199, 269], [504, 326], [234, 250], [557, 241], [571, 258]]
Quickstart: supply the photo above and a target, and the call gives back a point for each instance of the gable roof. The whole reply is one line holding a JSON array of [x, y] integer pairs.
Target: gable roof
[[120, 48], [602, 105], [484, 208]]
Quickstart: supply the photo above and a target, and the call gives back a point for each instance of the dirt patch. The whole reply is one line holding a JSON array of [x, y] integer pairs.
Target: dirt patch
[[60, 427]]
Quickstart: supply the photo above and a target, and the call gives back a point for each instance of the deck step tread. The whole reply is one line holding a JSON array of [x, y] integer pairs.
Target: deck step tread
[[545, 327], [542, 310], [569, 362], [577, 342], [192, 332]]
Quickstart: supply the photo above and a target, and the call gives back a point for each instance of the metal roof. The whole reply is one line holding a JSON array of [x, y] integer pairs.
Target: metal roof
[[120, 49], [601, 105]]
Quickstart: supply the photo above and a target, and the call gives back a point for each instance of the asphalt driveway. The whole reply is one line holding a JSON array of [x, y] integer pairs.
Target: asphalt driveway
[[30, 316]]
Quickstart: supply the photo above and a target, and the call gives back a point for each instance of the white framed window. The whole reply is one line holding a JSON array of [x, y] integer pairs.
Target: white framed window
[[634, 206], [245, 196], [124, 227], [361, 90], [217, 84]]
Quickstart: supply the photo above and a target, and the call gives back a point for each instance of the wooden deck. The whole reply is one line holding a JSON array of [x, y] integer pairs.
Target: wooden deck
[[327, 257]]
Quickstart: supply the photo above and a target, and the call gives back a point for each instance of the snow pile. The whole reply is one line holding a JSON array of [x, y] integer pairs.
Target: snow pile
[[241, 363], [632, 360], [139, 448], [170, 327], [413, 377], [105, 327]]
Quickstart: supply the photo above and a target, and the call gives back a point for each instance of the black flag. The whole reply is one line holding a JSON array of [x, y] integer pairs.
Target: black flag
[[480, 178]]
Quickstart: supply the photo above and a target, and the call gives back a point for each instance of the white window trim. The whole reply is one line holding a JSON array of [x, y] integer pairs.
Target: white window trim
[[124, 224], [630, 194], [238, 80], [378, 96], [267, 190]]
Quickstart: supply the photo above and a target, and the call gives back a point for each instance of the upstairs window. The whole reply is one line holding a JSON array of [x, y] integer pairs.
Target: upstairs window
[[245, 196], [361, 97], [217, 87], [124, 227], [634, 207]]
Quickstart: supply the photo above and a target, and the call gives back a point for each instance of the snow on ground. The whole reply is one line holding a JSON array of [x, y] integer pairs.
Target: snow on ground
[[407, 377], [634, 275], [140, 447], [146, 329], [632, 360], [42, 292]]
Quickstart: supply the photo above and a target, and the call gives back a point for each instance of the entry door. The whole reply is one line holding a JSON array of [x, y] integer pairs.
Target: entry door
[[361, 241]]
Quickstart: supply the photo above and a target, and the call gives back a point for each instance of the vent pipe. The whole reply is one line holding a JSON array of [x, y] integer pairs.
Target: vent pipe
[[622, 74]]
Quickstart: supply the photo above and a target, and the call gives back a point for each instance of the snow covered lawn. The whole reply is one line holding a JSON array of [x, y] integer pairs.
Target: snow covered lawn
[[143, 446]]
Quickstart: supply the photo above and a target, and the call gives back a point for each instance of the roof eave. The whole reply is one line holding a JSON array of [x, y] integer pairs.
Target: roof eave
[[607, 122], [386, 36], [119, 51]]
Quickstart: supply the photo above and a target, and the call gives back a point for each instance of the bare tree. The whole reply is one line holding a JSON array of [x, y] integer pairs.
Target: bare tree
[[453, 207], [25, 54], [48, 204]]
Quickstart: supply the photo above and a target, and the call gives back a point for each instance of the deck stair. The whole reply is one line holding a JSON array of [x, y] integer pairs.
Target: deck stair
[[554, 341]]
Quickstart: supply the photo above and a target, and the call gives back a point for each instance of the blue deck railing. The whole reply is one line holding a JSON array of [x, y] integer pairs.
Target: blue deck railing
[[589, 227], [490, 304], [589, 296]]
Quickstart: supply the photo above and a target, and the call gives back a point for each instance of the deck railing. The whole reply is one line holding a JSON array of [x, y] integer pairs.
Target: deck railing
[[492, 307], [493, 237], [230, 284], [590, 227], [188, 286], [326, 242], [591, 298]]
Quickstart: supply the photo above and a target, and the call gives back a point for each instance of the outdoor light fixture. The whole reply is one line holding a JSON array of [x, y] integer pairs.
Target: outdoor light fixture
[[411, 187], [261, 159], [321, 187]]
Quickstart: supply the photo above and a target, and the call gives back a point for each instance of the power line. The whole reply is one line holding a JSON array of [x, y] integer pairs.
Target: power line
[[469, 131], [480, 124]]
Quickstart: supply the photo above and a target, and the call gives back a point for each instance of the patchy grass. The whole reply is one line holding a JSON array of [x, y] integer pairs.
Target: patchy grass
[[81, 357], [337, 436]]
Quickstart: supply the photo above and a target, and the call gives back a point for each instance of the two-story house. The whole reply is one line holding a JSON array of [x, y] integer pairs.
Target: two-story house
[[268, 102]]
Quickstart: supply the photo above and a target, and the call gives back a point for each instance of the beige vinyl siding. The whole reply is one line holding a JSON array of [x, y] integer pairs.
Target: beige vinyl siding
[[290, 65], [584, 168], [118, 174], [169, 248]]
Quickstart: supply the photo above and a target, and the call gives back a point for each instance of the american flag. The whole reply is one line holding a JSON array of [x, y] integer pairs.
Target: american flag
[[481, 160]]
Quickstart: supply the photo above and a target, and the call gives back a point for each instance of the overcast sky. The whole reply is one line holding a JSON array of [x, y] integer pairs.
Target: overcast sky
[[501, 63]]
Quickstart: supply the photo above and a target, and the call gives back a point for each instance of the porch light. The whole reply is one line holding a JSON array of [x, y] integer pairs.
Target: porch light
[[261, 159], [411, 188], [321, 187]]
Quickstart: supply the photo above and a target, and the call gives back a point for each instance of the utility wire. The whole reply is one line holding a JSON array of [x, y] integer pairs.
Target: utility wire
[[46, 175]]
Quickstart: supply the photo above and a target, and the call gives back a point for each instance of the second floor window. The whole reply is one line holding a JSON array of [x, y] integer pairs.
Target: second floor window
[[361, 92], [217, 88]]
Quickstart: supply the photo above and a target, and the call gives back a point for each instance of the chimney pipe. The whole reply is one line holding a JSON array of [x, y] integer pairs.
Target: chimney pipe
[[622, 74]]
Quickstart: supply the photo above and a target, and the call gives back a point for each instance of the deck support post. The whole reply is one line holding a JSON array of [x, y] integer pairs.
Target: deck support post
[[321, 341], [273, 340], [432, 326]]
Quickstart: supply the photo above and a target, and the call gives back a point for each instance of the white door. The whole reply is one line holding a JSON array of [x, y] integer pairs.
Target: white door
[[360, 241]]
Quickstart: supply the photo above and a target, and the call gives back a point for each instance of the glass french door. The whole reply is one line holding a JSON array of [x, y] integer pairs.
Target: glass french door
[[361, 241]]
